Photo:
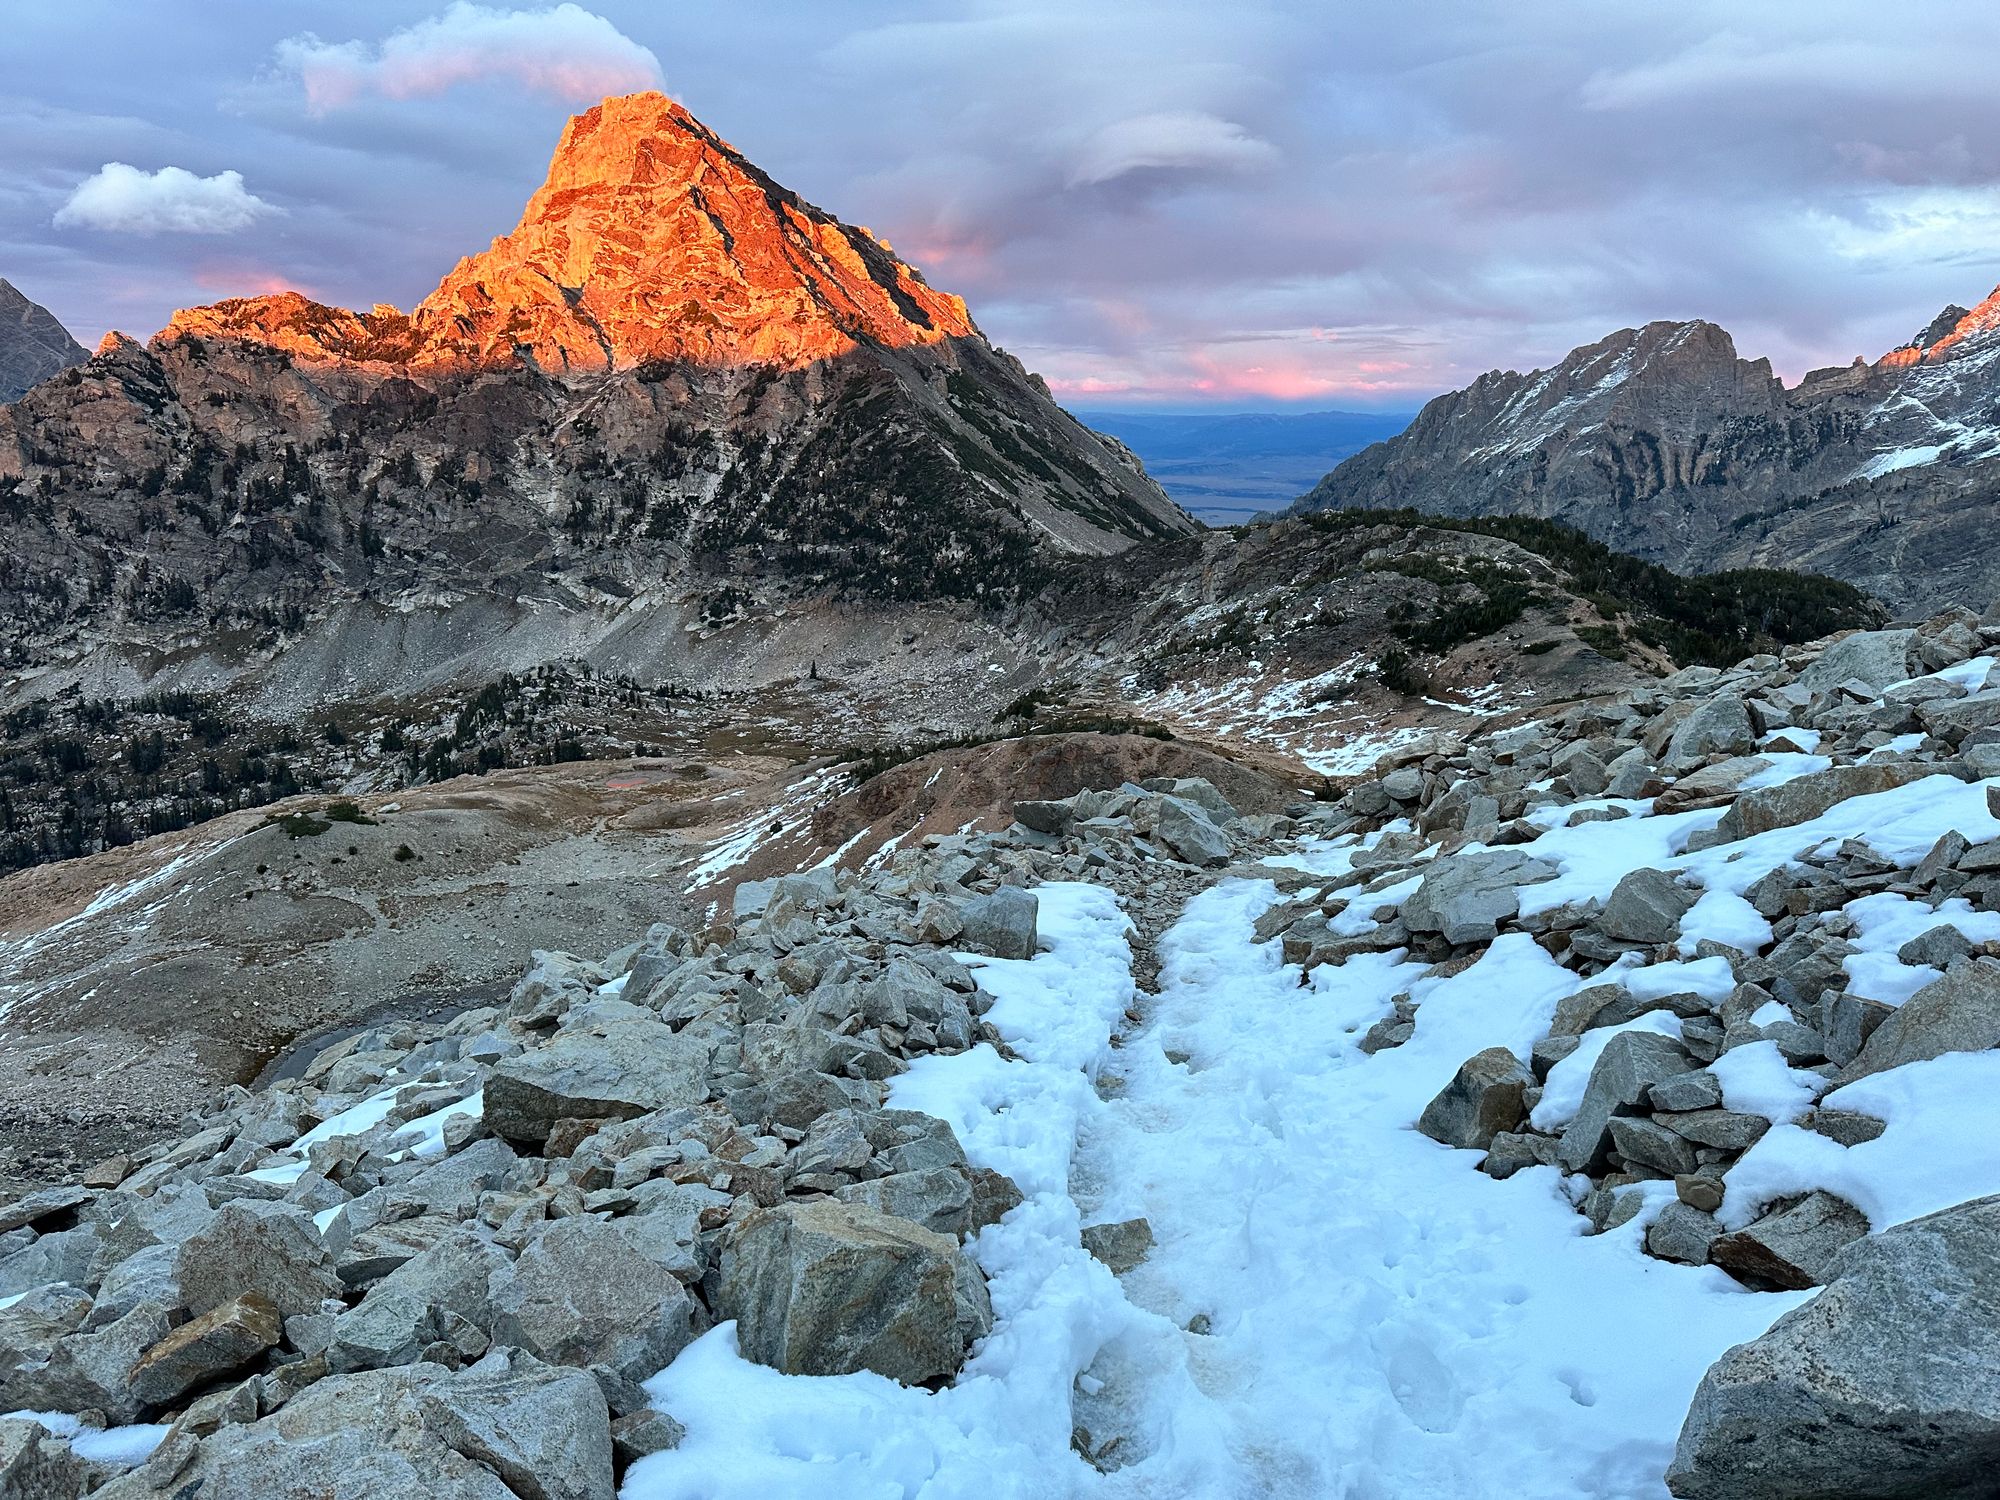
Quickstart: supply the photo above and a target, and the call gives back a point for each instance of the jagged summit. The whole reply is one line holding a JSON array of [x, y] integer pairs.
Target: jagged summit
[[651, 239], [1948, 333], [1663, 442]]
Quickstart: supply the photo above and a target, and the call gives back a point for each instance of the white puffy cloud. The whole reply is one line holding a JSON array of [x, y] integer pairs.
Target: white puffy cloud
[[1170, 140], [565, 51], [173, 200]]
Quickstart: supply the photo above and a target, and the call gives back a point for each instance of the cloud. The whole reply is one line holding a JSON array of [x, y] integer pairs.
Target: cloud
[[1173, 140], [124, 200], [1445, 188], [1732, 63], [566, 51], [1895, 228]]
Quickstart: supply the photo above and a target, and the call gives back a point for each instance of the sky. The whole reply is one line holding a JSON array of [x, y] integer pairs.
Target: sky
[[1172, 204]]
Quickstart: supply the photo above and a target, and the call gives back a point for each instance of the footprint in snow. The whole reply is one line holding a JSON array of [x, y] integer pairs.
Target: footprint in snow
[[1423, 1386]]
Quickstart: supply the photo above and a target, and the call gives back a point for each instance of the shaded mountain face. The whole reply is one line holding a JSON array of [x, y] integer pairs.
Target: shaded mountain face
[[672, 372], [33, 345], [1662, 442]]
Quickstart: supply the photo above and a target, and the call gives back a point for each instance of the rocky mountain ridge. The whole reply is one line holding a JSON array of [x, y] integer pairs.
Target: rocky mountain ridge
[[673, 381], [33, 344], [1663, 442], [1313, 643]]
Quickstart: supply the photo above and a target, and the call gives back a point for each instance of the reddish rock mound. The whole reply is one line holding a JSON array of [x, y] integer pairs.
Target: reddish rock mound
[[977, 786]]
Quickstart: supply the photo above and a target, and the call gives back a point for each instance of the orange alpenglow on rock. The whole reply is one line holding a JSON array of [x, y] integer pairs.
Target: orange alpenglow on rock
[[1981, 319], [651, 240]]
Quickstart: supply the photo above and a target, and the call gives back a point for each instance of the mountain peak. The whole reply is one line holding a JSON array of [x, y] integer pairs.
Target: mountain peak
[[1947, 331], [633, 140], [33, 343], [651, 239]]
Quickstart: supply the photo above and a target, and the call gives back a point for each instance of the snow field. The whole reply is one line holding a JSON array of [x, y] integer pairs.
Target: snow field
[[1382, 1319]]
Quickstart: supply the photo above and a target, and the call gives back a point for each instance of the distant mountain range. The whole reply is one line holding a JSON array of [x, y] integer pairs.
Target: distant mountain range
[[33, 344], [1227, 467], [1660, 441]]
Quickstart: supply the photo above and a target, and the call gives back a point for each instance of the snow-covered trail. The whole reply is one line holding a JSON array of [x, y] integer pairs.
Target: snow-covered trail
[[1335, 1305], [1381, 1320]]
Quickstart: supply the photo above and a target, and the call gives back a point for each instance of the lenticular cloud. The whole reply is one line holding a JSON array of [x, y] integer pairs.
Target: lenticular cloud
[[1175, 140], [565, 51], [125, 200]]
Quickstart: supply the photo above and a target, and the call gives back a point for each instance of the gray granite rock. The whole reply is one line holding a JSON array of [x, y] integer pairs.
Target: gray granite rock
[[1885, 1385], [626, 1069], [219, 1342], [1682, 1233], [1188, 833], [1483, 1099], [1806, 797], [1958, 1013], [1121, 1246], [270, 1248], [1793, 1247], [826, 1288], [1465, 897], [582, 1295], [1630, 1064], [1002, 924], [1646, 906]]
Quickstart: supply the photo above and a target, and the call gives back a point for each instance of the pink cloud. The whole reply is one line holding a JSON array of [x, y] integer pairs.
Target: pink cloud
[[1310, 368], [940, 252], [565, 51], [229, 278]]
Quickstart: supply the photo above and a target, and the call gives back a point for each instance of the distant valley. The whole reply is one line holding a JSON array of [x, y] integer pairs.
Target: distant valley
[[1225, 468]]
